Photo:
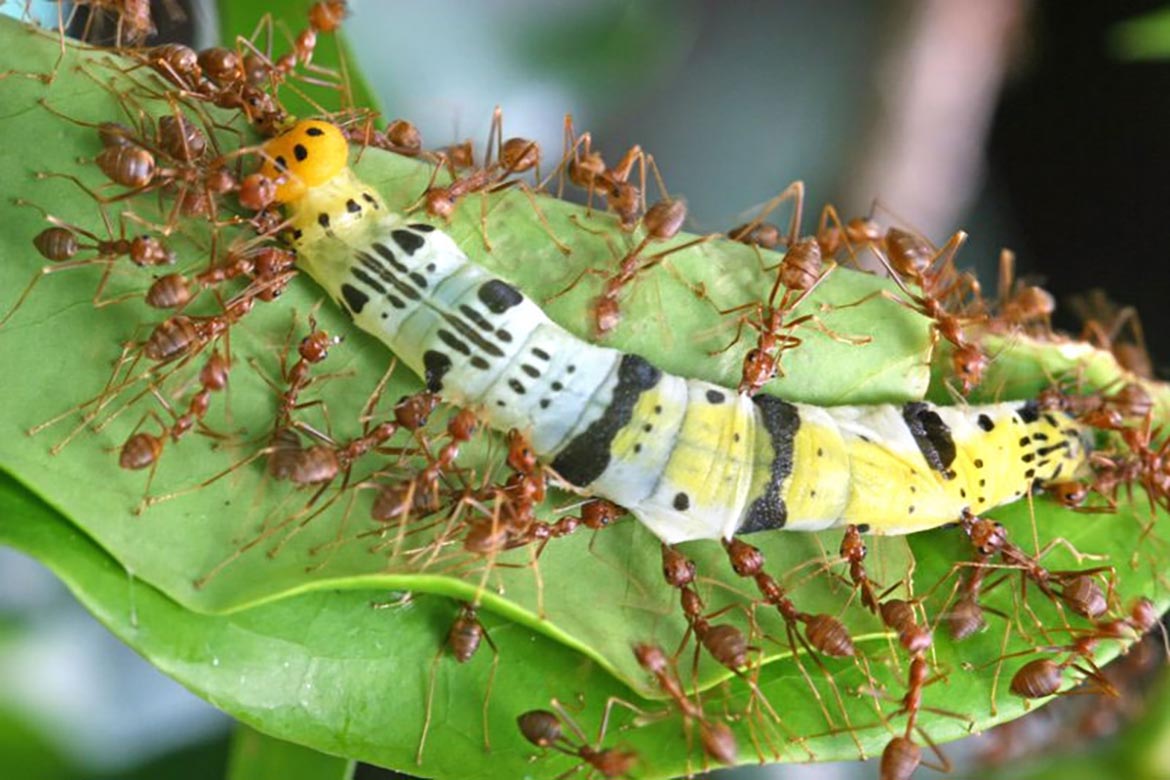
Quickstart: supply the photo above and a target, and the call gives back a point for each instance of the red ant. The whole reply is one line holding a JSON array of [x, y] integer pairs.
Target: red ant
[[516, 155], [725, 643], [901, 756], [236, 79], [399, 137], [313, 349], [1105, 326], [911, 257], [717, 739], [260, 69], [799, 272], [59, 244], [143, 450], [543, 729], [1077, 589], [270, 268], [831, 239], [822, 632], [398, 500], [128, 158], [587, 170], [1141, 463], [516, 524], [663, 221], [464, 639], [134, 21], [1043, 677], [320, 464], [1021, 305]]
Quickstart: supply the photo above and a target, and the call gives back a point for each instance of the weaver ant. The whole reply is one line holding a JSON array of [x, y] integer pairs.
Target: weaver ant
[[901, 756], [1075, 589], [269, 268], [516, 155], [399, 137], [1043, 677], [1114, 328], [798, 273], [544, 729], [60, 244], [236, 79], [587, 169], [822, 632], [662, 222], [463, 639], [143, 450], [717, 739]]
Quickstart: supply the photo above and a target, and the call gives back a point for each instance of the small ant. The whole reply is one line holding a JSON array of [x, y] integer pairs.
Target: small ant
[[143, 450], [59, 244], [543, 729], [911, 257], [399, 137], [718, 740], [516, 155], [663, 221], [270, 268], [1043, 677], [464, 639], [587, 169]]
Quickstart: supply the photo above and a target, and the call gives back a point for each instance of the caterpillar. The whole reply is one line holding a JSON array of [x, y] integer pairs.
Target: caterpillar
[[688, 458]]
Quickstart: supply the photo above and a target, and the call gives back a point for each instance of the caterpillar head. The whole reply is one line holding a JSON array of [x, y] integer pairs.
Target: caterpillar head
[[307, 155]]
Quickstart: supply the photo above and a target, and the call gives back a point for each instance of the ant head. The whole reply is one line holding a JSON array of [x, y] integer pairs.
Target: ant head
[[309, 154]]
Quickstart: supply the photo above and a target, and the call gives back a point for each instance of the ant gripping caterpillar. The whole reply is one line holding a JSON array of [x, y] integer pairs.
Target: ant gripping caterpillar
[[690, 459]]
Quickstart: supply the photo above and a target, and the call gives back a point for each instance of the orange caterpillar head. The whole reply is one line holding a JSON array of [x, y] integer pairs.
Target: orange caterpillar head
[[307, 155]]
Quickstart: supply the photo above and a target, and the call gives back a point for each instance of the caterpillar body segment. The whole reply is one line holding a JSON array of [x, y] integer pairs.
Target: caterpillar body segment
[[690, 459]]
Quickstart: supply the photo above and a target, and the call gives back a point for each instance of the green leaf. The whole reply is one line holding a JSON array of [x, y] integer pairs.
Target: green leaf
[[594, 596], [329, 671]]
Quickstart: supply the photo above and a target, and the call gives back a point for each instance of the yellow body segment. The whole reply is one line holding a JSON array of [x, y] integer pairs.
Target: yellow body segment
[[723, 428], [818, 489]]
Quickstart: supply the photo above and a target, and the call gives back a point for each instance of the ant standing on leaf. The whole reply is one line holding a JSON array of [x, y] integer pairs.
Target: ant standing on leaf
[[177, 158], [587, 169], [544, 729], [464, 638], [1075, 589], [142, 450], [716, 737], [60, 244], [910, 257], [511, 157], [798, 273], [663, 221], [1043, 677], [901, 755]]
